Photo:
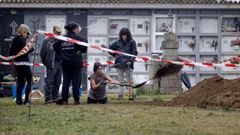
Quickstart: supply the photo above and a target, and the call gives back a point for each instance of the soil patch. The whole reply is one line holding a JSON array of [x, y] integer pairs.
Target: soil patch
[[215, 91]]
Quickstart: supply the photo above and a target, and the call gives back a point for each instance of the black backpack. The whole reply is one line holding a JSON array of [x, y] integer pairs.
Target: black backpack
[[45, 50]]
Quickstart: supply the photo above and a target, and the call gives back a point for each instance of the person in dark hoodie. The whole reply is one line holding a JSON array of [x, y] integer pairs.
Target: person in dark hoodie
[[124, 64], [71, 55], [52, 61], [23, 71]]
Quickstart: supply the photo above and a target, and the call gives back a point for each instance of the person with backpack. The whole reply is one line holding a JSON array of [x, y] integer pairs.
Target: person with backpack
[[52, 61], [124, 64], [71, 55]]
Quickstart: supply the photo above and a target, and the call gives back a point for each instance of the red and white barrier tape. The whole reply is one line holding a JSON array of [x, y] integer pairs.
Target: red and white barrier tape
[[138, 58], [85, 64], [234, 58], [144, 58], [23, 51], [22, 63]]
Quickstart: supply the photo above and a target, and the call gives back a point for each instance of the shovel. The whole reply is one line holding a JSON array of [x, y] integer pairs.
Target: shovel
[[162, 71]]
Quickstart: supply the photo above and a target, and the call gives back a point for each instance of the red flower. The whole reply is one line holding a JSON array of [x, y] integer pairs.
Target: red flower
[[235, 42], [114, 26]]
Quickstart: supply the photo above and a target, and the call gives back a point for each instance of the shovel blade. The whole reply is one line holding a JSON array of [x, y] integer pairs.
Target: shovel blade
[[139, 85]]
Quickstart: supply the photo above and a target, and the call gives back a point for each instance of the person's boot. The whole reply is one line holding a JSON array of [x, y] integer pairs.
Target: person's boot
[[51, 101], [47, 101], [132, 97], [26, 102], [19, 102], [61, 102], [120, 97], [77, 102], [65, 103]]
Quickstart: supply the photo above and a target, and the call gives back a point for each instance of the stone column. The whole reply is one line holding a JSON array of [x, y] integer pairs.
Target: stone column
[[170, 84], [155, 66]]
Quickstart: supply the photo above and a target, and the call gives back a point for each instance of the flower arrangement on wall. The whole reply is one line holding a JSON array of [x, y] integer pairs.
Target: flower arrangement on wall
[[146, 26], [114, 26], [231, 24], [146, 44], [36, 78], [164, 28], [9, 78], [235, 43], [235, 60], [191, 43], [214, 44]]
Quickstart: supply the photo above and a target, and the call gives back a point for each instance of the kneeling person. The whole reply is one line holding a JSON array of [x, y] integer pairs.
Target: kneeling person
[[98, 81]]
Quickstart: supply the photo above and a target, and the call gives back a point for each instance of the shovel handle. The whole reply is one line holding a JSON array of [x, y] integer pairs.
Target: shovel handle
[[120, 84]]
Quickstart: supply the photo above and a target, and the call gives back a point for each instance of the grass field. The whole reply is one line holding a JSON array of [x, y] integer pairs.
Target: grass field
[[145, 116]]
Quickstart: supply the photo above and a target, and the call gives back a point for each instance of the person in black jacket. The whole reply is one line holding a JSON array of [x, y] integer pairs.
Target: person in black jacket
[[52, 61], [124, 64], [23, 71], [71, 55]]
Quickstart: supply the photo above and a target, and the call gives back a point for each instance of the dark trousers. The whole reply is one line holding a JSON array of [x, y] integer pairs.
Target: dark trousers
[[94, 101], [23, 74], [74, 75], [53, 81]]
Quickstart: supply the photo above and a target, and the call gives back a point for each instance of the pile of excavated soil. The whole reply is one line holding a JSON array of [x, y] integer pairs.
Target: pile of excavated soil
[[215, 91]]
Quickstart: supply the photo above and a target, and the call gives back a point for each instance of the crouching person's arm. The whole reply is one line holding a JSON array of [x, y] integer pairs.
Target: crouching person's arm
[[93, 84], [112, 80]]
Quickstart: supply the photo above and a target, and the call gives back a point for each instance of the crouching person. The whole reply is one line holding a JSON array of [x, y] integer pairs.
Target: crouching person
[[98, 81]]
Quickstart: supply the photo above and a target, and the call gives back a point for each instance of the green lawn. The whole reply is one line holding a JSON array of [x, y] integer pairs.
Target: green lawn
[[145, 116]]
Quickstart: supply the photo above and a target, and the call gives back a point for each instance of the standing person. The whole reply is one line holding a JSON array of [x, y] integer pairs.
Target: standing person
[[52, 61], [23, 71], [124, 64], [97, 93], [71, 55]]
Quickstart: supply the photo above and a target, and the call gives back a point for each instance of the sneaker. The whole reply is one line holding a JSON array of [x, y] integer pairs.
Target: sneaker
[[65, 103], [61, 102], [51, 101], [120, 97], [47, 100], [26, 102], [19, 102], [77, 103], [132, 97]]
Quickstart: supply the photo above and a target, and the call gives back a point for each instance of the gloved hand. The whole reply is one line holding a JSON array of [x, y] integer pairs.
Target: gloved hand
[[103, 83], [31, 50], [122, 83]]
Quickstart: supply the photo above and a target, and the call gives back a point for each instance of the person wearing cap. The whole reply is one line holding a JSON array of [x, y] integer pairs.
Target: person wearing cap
[[97, 93], [71, 55], [52, 61], [124, 64], [23, 71]]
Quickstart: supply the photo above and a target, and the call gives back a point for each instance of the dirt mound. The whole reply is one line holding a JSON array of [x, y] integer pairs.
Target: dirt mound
[[167, 69], [215, 91]]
